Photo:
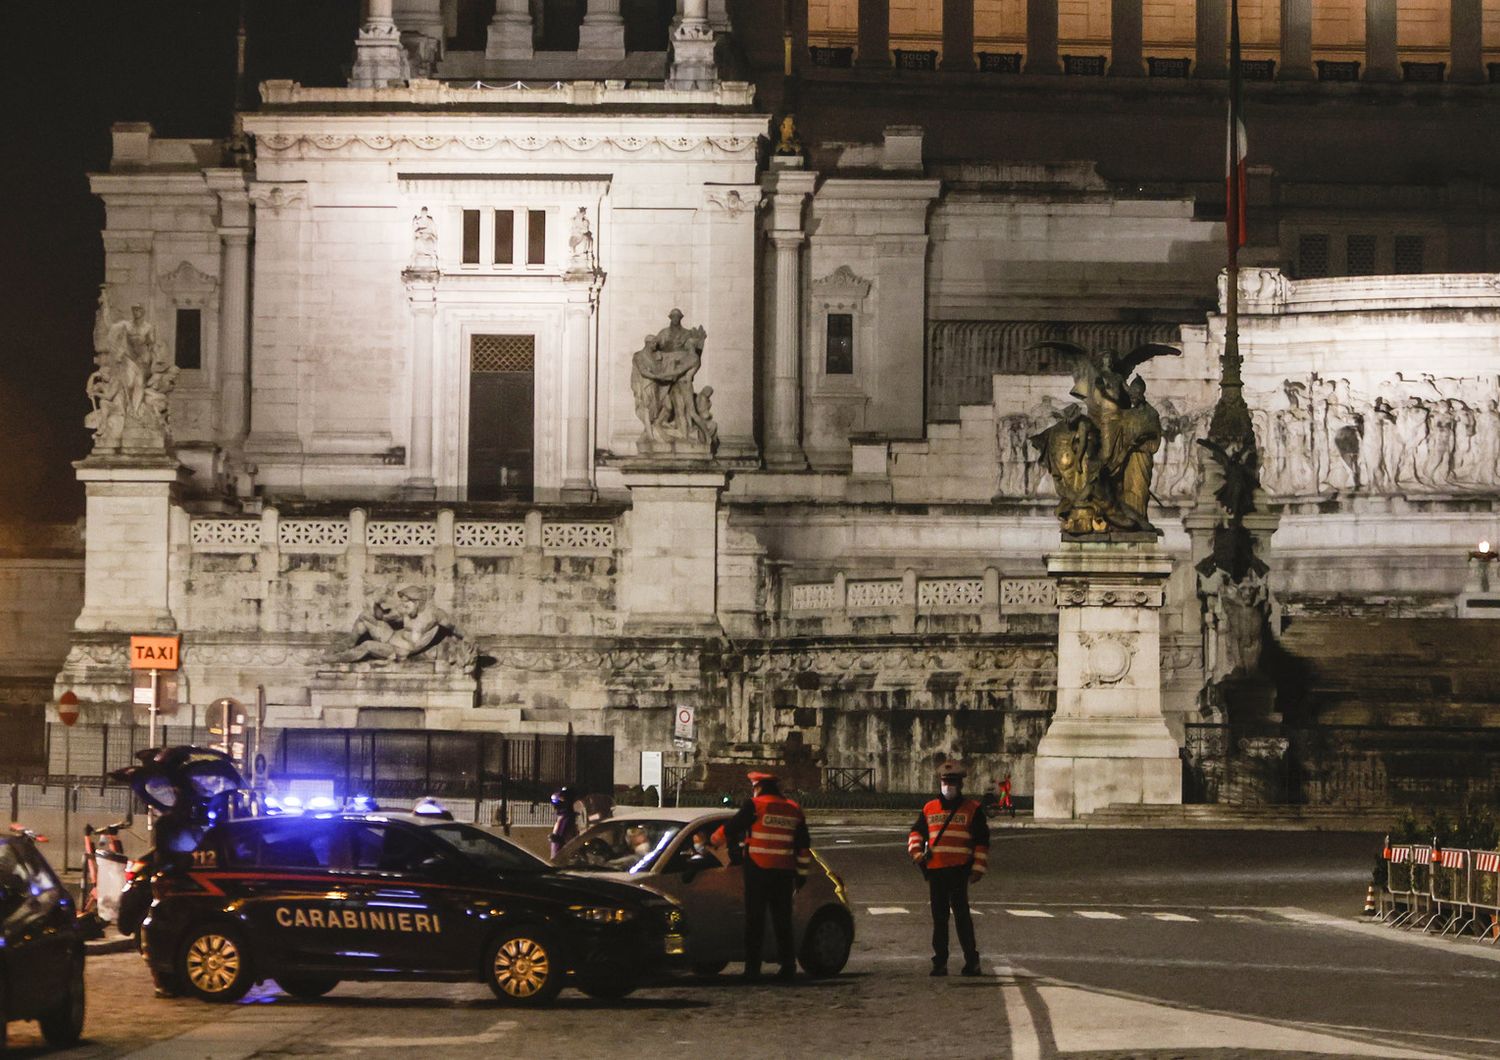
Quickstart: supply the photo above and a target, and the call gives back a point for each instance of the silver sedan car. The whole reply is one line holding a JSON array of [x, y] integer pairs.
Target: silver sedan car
[[655, 848]]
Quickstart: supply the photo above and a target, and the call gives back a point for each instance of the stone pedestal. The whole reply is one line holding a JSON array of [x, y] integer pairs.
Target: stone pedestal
[[693, 63], [510, 33], [1108, 741], [340, 689], [670, 569], [602, 35], [379, 57], [129, 506]]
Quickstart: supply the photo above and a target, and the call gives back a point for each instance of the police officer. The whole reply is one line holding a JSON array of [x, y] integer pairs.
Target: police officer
[[950, 840], [778, 853]]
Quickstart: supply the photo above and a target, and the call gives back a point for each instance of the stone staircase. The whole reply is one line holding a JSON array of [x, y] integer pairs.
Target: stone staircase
[[1308, 818], [1391, 671]]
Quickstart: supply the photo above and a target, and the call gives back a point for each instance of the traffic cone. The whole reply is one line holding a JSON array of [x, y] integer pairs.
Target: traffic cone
[[1370, 900]]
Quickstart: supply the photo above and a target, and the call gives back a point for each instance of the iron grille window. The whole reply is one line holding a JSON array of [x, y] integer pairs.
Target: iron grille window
[[1428, 72], [838, 58], [1258, 69], [1085, 65], [471, 237], [1337, 70], [502, 353], [839, 356], [915, 60], [1312, 256], [1000, 62], [189, 345], [505, 237], [1408, 255], [1156, 67], [1359, 257]]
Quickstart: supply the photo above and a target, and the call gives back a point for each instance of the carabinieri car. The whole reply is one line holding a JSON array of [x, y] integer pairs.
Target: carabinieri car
[[312, 899]]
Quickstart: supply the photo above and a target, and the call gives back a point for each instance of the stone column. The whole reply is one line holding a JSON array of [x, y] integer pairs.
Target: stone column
[[423, 35], [693, 64], [787, 187], [234, 304], [1296, 41], [234, 325], [1213, 39], [1041, 37], [509, 34], [1380, 41], [602, 35], [1108, 741], [874, 33], [1125, 39], [577, 318], [1466, 41], [379, 58], [958, 34], [421, 295]]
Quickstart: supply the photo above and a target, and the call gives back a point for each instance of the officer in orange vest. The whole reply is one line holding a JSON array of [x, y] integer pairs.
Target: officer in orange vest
[[778, 853], [950, 841]]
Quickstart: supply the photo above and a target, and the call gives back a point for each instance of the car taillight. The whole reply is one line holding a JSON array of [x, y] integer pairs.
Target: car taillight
[[134, 869]]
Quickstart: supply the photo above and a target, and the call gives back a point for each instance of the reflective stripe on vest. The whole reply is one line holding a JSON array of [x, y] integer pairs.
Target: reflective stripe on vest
[[773, 834], [956, 847]]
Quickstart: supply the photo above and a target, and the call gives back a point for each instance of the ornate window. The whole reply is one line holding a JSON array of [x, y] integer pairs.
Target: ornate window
[[839, 355], [839, 311], [188, 348]]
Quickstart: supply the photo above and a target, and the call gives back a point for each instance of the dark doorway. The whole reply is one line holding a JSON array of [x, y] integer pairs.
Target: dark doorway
[[501, 420], [647, 23]]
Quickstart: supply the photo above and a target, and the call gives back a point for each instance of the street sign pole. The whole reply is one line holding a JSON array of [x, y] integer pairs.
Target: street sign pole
[[155, 706]]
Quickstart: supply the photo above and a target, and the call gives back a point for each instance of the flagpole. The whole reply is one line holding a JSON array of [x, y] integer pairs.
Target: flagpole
[[1231, 418]]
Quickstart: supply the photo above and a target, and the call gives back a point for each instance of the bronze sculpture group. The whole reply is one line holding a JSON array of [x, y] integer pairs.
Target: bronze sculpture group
[[1099, 452]]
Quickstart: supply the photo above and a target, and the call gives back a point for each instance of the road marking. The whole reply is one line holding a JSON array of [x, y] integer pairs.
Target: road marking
[[1232, 916], [1098, 914], [1025, 1042], [496, 1031], [1175, 918], [1029, 912], [886, 910]]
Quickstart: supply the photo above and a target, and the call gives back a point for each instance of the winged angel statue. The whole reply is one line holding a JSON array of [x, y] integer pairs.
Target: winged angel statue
[[1099, 451]]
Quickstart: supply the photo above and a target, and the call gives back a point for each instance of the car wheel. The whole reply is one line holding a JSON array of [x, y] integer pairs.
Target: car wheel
[[525, 967], [214, 963], [63, 1025], [306, 988], [825, 947], [709, 969]]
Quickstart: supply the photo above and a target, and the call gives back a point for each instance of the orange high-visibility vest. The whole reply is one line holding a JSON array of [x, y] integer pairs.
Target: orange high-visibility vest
[[956, 847], [772, 842]]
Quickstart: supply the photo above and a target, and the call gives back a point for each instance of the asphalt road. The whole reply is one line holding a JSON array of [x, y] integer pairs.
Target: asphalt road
[[1096, 944]]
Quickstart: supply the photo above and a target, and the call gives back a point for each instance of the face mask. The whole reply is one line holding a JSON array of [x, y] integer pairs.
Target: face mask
[[950, 791]]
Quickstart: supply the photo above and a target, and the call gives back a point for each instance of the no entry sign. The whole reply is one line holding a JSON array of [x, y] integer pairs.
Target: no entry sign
[[684, 727]]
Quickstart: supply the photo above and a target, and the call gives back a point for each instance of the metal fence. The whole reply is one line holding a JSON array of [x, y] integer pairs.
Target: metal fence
[[1452, 891], [410, 763], [1340, 765]]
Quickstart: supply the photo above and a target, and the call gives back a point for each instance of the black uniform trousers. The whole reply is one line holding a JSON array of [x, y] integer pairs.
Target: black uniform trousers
[[949, 889], [773, 889]]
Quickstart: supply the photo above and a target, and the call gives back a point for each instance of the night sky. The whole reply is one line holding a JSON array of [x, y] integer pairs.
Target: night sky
[[72, 68]]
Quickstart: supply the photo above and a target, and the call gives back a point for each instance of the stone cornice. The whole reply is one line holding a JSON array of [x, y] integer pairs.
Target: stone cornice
[[523, 136], [424, 92]]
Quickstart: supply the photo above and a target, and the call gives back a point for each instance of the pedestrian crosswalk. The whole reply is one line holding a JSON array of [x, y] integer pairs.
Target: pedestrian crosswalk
[[1059, 912]]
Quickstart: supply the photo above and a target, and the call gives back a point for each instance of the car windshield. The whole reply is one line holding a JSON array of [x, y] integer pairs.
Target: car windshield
[[632, 846], [489, 852]]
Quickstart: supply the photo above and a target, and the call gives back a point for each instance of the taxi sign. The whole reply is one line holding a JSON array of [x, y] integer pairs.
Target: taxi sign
[[154, 653]]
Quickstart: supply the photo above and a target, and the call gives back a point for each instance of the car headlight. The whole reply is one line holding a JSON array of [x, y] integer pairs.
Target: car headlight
[[601, 914]]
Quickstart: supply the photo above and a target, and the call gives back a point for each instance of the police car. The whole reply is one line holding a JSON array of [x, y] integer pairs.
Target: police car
[[311, 899]]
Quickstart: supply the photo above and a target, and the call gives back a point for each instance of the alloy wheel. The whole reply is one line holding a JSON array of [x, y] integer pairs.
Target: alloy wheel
[[214, 963]]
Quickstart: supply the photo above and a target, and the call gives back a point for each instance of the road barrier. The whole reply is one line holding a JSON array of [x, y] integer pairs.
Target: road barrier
[[1451, 890]]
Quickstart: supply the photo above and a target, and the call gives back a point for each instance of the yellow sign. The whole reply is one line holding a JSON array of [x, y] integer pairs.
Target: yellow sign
[[153, 653]]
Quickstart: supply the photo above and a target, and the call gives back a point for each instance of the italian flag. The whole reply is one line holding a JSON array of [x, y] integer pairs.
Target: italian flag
[[1237, 144]]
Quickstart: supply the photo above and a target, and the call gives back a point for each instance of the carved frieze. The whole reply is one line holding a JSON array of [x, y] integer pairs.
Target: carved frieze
[[309, 143]]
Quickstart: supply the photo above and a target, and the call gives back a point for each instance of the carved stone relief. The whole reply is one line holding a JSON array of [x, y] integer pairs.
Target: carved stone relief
[[1107, 657]]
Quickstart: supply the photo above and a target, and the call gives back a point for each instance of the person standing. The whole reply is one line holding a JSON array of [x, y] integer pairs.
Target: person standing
[[950, 841], [566, 825], [778, 852]]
